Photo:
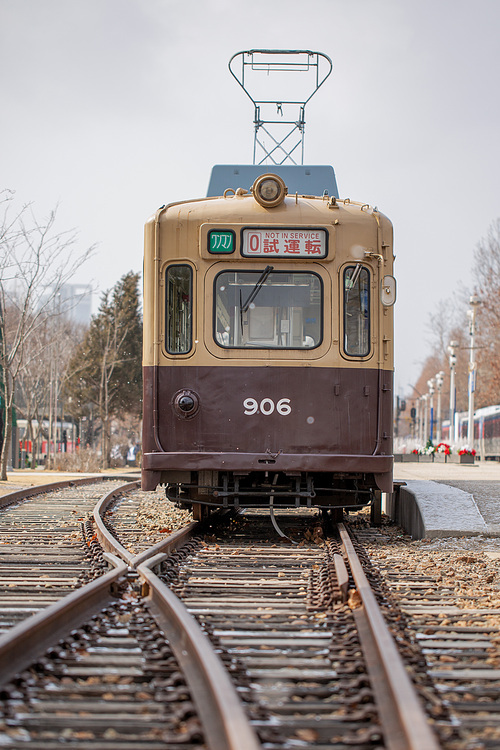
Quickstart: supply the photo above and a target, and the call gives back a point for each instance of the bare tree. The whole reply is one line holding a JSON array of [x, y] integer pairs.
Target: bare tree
[[446, 323], [449, 322], [35, 262], [106, 369], [486, 272], [40, 390]]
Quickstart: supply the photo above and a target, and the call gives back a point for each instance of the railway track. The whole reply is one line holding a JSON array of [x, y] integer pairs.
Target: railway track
[[109, 684], [449, 600], [96, 671], [294, 648], [42, 554], [272, 645]]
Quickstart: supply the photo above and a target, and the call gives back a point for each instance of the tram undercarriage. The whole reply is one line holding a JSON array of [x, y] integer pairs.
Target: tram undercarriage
[[328, 491]]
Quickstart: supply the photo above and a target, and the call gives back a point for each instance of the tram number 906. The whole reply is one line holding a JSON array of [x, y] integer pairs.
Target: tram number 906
[[267, 406]]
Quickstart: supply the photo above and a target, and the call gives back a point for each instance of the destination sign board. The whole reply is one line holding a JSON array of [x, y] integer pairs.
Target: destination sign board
[[284, 243]]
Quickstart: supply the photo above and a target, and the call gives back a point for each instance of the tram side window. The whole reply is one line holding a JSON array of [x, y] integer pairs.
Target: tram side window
[[356, 311], [178, 325]]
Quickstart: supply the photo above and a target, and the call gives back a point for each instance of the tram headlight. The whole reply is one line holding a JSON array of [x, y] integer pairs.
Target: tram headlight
[[269, 190], [186, 403]]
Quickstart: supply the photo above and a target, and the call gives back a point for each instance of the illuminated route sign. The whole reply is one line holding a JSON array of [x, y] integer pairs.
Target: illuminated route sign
[[284, 243]]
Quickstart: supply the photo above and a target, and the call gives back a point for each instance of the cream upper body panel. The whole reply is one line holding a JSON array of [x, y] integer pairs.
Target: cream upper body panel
[[355, 234]]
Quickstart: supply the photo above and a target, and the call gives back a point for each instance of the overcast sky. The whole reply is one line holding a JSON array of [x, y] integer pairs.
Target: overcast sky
[[111, 108]]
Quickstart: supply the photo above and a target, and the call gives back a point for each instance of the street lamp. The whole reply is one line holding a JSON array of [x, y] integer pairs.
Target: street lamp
[[416, 426], [453, 396], [425, 398], [430, 385], [439, 385], [471, 314], [414, 420], [421, 420]]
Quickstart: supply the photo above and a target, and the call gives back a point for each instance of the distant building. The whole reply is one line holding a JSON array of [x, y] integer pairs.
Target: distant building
[[77, 300], [72, 301]]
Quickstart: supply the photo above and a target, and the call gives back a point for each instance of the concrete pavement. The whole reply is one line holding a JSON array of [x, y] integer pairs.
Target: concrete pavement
[[448, 499]]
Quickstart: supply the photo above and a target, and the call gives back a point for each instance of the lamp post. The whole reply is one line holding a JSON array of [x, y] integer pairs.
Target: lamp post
[[453, 396], [430, 385], [471, 314], [439, 384], [414, 420], [416, 416], [425, 398]]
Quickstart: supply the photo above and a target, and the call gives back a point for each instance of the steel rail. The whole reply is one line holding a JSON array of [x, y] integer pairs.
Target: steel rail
[[403, 719], [14, 497], [167, 545], [28, 640], [105, 537], [225, 723], [109, 542], [176, 539]]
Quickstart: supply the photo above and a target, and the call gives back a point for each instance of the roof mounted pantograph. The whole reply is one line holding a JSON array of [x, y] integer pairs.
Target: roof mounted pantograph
[[279, 99]]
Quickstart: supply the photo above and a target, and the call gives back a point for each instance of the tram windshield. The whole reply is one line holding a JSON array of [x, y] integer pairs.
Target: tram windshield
[[268, 309]]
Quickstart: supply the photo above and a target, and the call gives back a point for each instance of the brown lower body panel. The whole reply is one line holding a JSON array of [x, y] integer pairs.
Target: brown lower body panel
[[334, 420]]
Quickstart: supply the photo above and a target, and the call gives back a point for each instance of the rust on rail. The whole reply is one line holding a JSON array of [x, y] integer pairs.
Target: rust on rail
[[403, 718]]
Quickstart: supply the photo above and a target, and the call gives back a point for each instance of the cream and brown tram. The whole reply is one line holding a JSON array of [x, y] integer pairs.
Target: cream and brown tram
[[268, 348]]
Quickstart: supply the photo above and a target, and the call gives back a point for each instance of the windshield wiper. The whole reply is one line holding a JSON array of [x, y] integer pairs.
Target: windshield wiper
[[258, 285], [349, 283]]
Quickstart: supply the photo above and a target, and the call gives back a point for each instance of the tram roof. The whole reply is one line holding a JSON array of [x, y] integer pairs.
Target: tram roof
[[304, 180]]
